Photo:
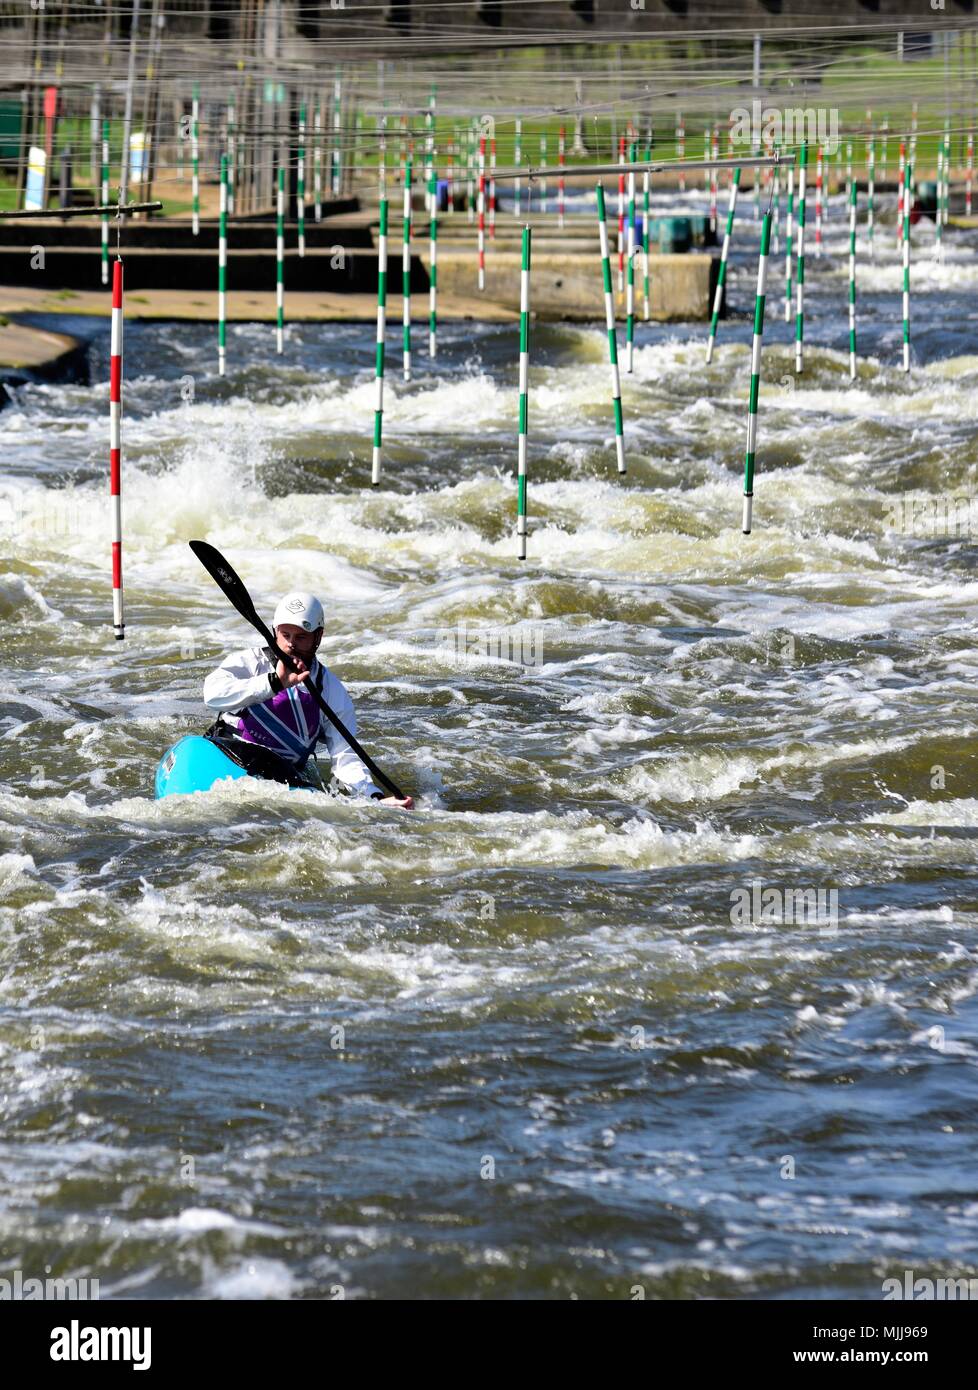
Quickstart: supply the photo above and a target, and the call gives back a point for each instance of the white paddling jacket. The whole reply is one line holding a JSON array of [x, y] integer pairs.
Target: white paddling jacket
[[289, 722]]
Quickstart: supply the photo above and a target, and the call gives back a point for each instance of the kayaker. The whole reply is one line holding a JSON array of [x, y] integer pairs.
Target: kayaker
[[269, 722]]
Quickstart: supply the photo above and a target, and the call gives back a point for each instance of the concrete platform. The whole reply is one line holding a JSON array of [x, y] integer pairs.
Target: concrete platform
[[565, 285], [34, 354]]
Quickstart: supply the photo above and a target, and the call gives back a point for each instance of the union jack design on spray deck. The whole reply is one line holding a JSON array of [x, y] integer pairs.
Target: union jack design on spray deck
[[288, 723]]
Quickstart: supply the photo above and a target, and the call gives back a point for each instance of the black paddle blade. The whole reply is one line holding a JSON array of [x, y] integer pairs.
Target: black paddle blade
[[228, 582]]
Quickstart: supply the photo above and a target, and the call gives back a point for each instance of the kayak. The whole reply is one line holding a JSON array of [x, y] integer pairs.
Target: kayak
[[193, 764], [197, 763]]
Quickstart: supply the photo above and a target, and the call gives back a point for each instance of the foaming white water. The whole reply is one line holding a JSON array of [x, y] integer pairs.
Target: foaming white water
[[963, 812], [928, 275], [714, 775]]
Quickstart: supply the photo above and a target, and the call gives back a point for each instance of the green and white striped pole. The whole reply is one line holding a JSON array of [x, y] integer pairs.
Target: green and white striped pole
[[755, 375], [433, 256], [788, 243], [517, 159], [630, 294], [852, 279], [524, 397], [870, 205], [381, 330], [105, 201], [317, 163], [280, 261], [300, 190], [609, 313], [724, 254], [646, 188], [776, 231], [232, 154], [406, 271], [195, 159], [906, 267], [800, 287], [222, 270]]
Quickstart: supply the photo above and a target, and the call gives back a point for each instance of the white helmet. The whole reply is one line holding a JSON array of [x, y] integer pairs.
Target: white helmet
[[301, 610]]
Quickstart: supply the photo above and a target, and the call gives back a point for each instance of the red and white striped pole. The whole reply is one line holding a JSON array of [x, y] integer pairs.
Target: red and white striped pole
[[492, 189], [115, 448], [621, 216]]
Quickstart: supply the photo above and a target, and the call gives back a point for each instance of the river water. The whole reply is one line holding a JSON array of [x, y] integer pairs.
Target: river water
[[569, 1029]]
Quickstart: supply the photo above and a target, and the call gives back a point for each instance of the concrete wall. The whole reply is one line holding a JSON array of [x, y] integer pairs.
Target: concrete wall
[[570, 286]]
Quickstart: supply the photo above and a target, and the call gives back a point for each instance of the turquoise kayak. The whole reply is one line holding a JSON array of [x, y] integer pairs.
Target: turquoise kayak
[[193, 764]]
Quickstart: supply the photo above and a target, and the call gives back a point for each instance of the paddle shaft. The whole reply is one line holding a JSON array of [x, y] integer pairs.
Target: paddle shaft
[[234, 590]]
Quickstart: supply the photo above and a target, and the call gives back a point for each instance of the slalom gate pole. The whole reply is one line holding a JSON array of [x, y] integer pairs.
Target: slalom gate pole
[[621, 217], [195, 160], [481, 213], [524, 395], [300, 190], [115, 448], [906, 267], [646, 188], [818, 202], [105, 199], [433, 259], [609, 311], [755, 375], [222, 270], [317, 162], [800, 287], [724, 254], [492, 189], [969, 173], [561, 188], [870, 204], [630, 297], [788, 243], [381, 332], [280, 262], [852, 279], [406, 274]]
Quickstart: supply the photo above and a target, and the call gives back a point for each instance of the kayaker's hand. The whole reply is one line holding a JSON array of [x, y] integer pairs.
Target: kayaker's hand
[[288, 677], [407, 804]]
